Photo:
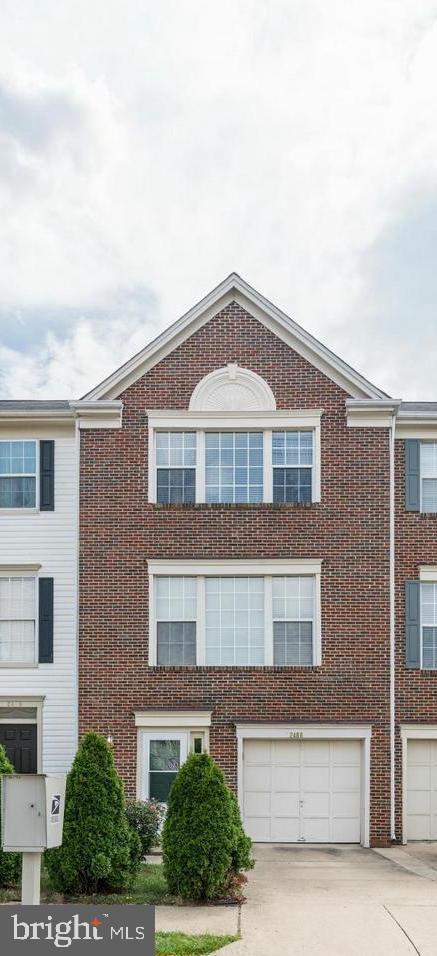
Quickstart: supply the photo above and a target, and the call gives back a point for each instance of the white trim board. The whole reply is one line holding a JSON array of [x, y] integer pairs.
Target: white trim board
[[172, 718], [235, 289], [288, 731]]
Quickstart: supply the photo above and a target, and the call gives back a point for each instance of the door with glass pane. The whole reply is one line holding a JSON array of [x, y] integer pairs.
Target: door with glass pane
[[163, 755]]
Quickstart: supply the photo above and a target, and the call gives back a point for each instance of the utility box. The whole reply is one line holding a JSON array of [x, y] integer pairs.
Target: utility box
[[32, 812]]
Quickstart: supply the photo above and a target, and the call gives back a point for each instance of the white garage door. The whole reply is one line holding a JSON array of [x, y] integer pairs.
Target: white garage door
[[305, 791], [422, 790]]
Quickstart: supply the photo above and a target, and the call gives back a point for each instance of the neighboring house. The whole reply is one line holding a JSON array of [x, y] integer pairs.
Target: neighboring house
[[38, 578]]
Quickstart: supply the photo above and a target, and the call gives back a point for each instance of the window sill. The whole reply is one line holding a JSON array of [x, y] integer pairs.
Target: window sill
[[271, 505], [234, 668], [20, 511], [18, 664]]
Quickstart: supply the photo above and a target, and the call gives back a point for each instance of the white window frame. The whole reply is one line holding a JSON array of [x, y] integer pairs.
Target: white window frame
[[427, 575], [24, 572], [35, 508], [311, 567], [267, 422], [421, 479]]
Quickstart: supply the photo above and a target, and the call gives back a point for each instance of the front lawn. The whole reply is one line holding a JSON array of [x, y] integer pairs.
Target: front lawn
[[178, 944], [149, 887]]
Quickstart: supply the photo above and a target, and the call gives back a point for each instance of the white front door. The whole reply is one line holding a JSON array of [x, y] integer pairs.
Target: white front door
[[163, 754], [422, 790], [305, 791]]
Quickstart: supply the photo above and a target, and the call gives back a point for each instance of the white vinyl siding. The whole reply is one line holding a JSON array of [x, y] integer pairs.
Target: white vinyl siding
[[49, 539]]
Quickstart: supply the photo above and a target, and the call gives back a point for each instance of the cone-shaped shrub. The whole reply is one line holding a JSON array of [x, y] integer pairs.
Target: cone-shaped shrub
[[10, 863], [242, 858], [199, 836], [100, 852]]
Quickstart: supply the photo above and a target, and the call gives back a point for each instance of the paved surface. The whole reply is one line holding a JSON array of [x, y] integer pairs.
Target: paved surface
[[338, 901]]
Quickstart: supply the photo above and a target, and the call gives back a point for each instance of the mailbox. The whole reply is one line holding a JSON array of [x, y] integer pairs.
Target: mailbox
[[32, 811]]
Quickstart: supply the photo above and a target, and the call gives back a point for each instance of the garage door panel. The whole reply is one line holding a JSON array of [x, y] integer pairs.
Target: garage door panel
[[346, 830], [419, 801], [285, 778], [315, 752], [286, 752], [316, 804], [285, 830], [285, 804], [258, 828], [419, 752], [259, 752], [317, 830], [419, 827], [315, 778], [258, 778], [346, 805], [346, 778], [419, 777], [345, 752], [257, 804]]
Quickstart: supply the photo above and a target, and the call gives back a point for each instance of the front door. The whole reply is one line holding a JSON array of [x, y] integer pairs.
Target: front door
[[20, 743], [163, 755]]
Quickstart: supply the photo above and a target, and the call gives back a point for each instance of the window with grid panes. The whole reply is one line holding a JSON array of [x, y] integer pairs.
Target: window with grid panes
[[234, 467], [176, 614], [292, 461], [175, 467]]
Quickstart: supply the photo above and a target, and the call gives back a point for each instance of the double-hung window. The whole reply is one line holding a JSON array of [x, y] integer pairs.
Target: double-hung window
[[233, 467], [252, 614], [175, 467], [271, 459], [428, 476], [17, 619], [18, 468], [292, 460], [428, 622]]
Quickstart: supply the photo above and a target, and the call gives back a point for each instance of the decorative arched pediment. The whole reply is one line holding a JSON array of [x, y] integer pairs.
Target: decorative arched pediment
[[232, 389]]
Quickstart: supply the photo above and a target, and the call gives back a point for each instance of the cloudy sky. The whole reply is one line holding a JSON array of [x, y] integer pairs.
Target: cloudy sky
[[150, 147]]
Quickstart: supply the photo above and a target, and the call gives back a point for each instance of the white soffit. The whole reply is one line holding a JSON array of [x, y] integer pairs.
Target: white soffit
[[235, 289]]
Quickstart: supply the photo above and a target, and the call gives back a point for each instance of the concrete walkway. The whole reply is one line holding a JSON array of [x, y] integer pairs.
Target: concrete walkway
[[335, 901]]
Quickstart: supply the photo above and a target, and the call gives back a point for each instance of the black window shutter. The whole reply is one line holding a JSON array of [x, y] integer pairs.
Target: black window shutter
[[45, 620], [412, 623], [47, 475], [412, 474]]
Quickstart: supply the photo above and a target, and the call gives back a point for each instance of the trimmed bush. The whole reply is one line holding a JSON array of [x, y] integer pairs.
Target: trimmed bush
[[201, 840], [100, 852], [144, 818], [10, 863], [242, 858]]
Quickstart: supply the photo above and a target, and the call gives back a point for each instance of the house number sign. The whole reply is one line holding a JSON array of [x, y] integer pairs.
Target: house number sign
[[296, 735]]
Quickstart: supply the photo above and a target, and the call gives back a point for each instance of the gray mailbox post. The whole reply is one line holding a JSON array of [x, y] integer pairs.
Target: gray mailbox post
[[32, 821]]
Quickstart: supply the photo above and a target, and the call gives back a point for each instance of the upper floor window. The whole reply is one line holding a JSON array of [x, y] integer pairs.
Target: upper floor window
[[233, 446], [233, 467], [17, 619], [235, 619], [176, 467], [428, 475], [18, 467], [428, 621]]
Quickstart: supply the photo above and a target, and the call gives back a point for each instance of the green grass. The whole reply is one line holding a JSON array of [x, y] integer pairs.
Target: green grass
[[150, 887], [178, 944]]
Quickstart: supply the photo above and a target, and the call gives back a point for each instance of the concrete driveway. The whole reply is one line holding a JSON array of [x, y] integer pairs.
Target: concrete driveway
[[339, 901]]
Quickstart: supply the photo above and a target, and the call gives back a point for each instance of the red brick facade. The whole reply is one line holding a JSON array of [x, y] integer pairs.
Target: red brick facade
[[348, 529]]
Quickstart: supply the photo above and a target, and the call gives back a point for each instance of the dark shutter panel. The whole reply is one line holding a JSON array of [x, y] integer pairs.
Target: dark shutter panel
[[412, 474], [46, 476], [412, 623], [45, 620]]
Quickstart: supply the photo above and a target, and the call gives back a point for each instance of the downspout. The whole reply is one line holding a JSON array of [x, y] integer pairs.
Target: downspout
[[392, 628]]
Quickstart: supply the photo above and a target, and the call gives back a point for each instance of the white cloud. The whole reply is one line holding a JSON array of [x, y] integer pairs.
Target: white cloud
[[162, 146]]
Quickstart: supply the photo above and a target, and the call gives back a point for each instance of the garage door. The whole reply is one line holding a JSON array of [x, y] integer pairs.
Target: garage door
[[422, 790], [305, 791]]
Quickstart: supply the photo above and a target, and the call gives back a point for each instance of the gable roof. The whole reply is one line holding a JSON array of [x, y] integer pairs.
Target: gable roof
[[235, 289]]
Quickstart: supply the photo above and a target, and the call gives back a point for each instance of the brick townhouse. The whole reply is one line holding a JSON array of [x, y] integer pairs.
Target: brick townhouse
[[258, 576]]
